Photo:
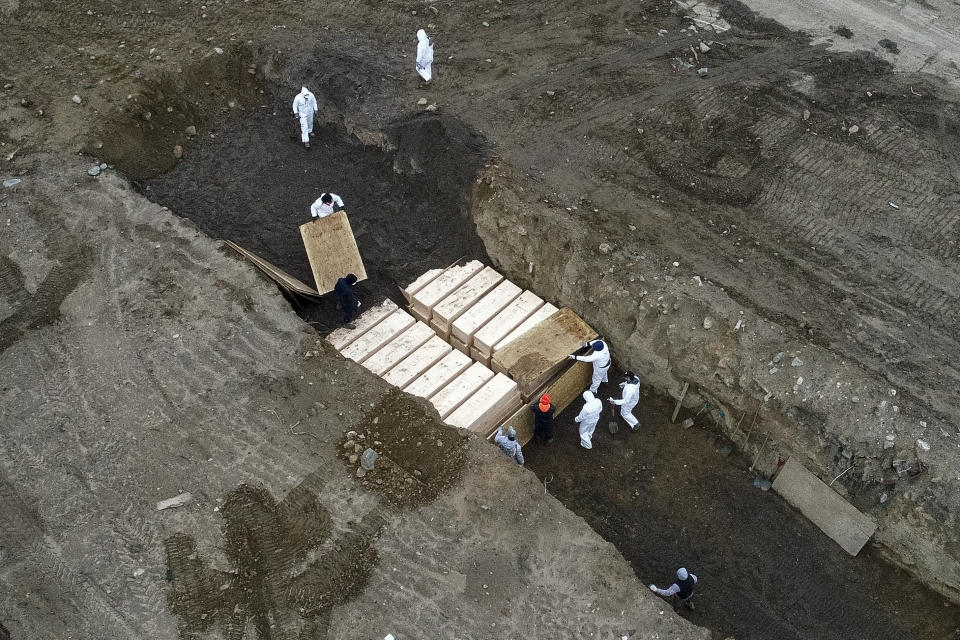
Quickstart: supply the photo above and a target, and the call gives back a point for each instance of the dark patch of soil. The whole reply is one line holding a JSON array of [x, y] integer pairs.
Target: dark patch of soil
[[842, 30], [666, 498], [407, 198], [420, 457], [889, 45]]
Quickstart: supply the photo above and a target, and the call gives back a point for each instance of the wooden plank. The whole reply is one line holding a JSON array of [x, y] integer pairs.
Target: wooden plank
[[442, 286], [413, 366], [479, 356], [539, 354], [538, 316], [462, 299], [343, 336], [332, 250], [460, 388], [824, 507], [420, 283], [509, 318], [275, 273], [480, 411], [522, 421], [399, 348], [437, 376], [676, 409], [473, 319], [379, 335]]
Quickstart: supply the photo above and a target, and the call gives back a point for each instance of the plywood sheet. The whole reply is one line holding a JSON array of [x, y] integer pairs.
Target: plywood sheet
[[379, 335], [536, 356], [437, 376], [824, 507], [463, 297], [460, 388], [332, 250], [344, 336], [522, 421], [398, 348], [442, 286], [480, 411], [509, 318], [415, 364], [538, 316], [282, 278], [420, 283], [471, 320]]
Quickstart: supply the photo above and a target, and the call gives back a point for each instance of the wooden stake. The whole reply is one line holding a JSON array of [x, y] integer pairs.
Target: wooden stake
[[683, 393]]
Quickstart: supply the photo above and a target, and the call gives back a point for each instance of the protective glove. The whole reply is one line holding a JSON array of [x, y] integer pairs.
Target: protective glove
[[653, 588], [610, 399], [584, 345], [572, 356], [358, 303], [419, 67]]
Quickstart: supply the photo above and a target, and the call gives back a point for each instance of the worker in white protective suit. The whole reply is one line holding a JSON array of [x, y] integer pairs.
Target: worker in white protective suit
[[628, 399], [600, 357], [324, 205], [304, 108], [508, 444], [588, 418], [424, 56]]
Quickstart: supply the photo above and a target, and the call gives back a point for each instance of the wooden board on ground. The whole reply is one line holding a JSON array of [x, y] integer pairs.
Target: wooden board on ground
[[414, 365], [481, 410], [281, 277], [460, 388], [344, 336], [824, 507], [379, 335], [443, 285], [511, 317], [437, 376], [332, 250], [538, 316], [399, 348], [462, 299], [473, 319], [536, 356], [420, 283]]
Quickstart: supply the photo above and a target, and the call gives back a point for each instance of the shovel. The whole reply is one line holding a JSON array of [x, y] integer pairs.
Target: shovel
[[612, 426]]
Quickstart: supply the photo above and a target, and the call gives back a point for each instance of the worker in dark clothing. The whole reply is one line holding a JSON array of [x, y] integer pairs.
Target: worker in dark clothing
[[681, 591], [543, 419], [348, 301]]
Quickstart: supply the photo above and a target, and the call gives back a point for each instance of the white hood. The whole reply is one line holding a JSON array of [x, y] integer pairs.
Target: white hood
[[422, 36], [587, 396]]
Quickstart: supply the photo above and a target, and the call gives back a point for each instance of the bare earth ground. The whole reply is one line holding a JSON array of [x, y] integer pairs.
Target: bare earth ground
[[611, 179]]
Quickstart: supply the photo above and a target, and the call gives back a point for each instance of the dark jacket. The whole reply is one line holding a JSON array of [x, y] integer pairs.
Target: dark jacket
[[542, 420], [345, 291]]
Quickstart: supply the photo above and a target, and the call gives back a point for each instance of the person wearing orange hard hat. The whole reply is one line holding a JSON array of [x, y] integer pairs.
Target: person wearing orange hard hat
[[543, 419]]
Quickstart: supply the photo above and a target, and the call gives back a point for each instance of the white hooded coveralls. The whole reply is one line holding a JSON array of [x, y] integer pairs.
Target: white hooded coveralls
[[588, 418], [629, 399], [601, 365], [509, 447], [321, 210], [304, 106], [424, 56]]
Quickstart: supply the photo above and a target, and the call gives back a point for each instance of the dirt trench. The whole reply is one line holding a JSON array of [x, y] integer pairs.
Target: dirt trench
[[412, 191]]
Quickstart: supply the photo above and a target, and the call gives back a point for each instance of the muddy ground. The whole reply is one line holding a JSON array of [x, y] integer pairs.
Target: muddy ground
[[807, 193]]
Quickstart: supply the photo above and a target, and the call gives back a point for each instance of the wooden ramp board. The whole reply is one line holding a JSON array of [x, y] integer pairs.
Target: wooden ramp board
[[460, 388], [413, 366], [471, 320], [420, 283], [332, 250], [824, 507], [481, 410], [462, 298], [522, 421], [344, 336], [497, 328], [379, 335], [536, 356], [399, 348], [538, 316], [437, 376], [442, 286], [281, 277]]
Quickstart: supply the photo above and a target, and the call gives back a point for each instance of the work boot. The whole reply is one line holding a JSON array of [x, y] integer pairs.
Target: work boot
[[350, 325], [306, 145]]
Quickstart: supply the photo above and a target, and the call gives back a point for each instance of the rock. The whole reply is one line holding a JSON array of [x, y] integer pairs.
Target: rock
[[708, 323], [177, 151], [352, 459], [704, 48], [191, 130], [923, 445], [853, 129], [369, 457], [76, 99], [431, 107], [702, 71], [762, 483], [486, 24], [777, 358], [9, 183], [604, 248], [348, 444], [361, 472], [26, 103], [138, 572], [422, 101], [796, 362], [94, 170], [551, 93], [103, 165], [884, 497], [218, 51], [174, 502], [806, 114]]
